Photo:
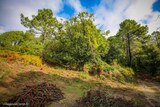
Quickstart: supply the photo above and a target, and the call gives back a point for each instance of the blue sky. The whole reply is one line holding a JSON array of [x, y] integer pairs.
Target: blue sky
[[108, 13]]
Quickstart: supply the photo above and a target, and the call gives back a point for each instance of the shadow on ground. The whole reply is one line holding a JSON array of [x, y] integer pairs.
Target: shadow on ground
[[73, 88]]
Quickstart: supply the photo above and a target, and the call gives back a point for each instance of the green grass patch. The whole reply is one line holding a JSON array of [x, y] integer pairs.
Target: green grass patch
[[79, 87], [84, 75]]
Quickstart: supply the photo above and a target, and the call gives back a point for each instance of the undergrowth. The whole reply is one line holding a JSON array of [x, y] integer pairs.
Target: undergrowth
[[4, 74], [104, 70], [15, 56]]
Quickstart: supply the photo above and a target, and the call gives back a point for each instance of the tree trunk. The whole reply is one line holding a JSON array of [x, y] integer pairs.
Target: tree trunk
[[129, 51], [43, 37]]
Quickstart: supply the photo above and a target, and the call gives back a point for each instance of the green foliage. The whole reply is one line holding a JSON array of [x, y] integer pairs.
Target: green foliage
[[43, 23], [56, 53], [10, 40], [80, 43], [84, 75], [151, 59], [98, 68], [78, 86], [116, 71], [147, 54], [33, 47], [77, 41], [133, 47], [115, 51], [102, 77], [21, 42], [129, 32], [156, 38], [124, 73]]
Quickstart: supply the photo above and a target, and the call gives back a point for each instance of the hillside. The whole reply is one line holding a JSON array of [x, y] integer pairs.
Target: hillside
[[74, 63], [16, 74]]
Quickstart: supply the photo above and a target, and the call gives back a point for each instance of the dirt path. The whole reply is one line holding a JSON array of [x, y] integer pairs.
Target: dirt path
[[151, 90]]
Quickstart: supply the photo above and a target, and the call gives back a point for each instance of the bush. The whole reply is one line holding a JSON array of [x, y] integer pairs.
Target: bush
[[83, 75], [31, 47], [3, 75], [56, 53], [18, 41], [114, 71], [99, 68], [31, 59], [10, 40], [123, 73], [27, 59], [10, 55]]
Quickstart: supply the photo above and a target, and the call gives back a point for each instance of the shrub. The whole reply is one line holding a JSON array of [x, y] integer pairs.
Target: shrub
[[99, 68], [3, 75], [18, 41], [15, 56], [123, 73], [102, 77], [31, 47], [114, 71], [10, 55], [83, 75], [31, 59]]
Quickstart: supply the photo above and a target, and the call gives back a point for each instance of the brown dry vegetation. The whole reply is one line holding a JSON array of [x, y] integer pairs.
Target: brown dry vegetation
[[15, 75]]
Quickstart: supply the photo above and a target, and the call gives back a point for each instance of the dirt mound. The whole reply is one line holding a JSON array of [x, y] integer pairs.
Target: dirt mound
[[38, 95], [99, 98]]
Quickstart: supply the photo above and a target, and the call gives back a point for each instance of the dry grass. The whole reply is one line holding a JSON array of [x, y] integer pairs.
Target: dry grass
[[73, 83]]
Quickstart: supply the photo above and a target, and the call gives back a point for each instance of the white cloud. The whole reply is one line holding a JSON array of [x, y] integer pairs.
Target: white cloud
[[55, 5], [11, 11], [154, 22], [2, 29], [108, 14], [110, 17], [142, 10], [76, 4], [138, 10]]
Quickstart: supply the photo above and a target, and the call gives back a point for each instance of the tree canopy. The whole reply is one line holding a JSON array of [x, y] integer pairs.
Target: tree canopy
[[81, 42], [21, 42], [44, 23]]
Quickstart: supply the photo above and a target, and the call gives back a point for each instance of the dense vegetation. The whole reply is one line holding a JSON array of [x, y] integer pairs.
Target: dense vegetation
[[77, 42]]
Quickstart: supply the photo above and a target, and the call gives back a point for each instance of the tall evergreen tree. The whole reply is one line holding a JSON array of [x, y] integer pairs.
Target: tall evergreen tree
[[129, 32], [44, 23]]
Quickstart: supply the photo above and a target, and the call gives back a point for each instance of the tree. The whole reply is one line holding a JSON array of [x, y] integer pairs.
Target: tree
[[151, 54], [141, 50], [116, 51], [44, 23], [10, 40], [21, 42], [31, 44], [81, 42], [156, 38], [151, 59], [131, 31]]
